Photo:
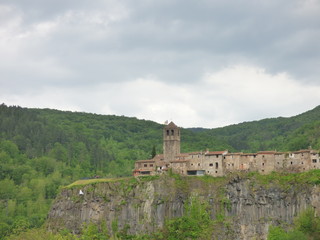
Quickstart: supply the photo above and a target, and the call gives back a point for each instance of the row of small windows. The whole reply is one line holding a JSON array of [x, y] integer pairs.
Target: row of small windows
[[172, 132], [146, 165], [217, 164], [210, 165], [199, 156]]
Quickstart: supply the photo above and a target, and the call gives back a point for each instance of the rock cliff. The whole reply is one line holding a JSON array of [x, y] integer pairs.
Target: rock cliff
[[247, 208]]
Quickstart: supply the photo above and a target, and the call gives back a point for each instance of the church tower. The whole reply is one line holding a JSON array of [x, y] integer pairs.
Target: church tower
[[171, 142]]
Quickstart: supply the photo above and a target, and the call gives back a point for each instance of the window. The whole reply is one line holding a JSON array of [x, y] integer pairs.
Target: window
[[198, 164], [263, 164], [217, 165], [291, 163], [151, 165], [216, 171], [145, 165], [211, 164], [301, 162], [172, 132], [217, 156], [314, 160], [168, 132]]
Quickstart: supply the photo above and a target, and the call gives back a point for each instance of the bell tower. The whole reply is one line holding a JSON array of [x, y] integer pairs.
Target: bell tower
[[171, 142]]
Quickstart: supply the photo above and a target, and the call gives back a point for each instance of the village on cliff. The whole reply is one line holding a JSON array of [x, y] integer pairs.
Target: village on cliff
[[220, 163]]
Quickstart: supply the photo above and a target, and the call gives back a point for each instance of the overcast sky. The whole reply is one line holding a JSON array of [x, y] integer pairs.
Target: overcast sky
[[200, 63]]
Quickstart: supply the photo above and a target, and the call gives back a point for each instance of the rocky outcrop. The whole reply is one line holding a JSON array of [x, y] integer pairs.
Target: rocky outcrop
[[143, 206]]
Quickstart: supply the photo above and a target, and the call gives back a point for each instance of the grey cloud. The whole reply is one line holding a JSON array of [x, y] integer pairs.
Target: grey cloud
[[200, 30], [174, 41]]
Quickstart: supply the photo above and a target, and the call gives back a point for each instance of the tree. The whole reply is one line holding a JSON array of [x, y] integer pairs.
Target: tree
[[153, 152]]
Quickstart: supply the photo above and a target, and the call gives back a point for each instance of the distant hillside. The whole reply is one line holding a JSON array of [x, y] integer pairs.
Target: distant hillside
[[112, 143], [282, 134], [43, 149], [109, 144]]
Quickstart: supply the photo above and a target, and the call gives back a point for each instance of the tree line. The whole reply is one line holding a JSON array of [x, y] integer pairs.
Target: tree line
[[43, 149]]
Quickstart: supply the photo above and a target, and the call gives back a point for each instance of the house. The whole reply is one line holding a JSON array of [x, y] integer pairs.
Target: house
[[220, 163]]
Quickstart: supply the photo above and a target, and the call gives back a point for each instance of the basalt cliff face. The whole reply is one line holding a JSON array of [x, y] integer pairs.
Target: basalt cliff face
[[247, 208]]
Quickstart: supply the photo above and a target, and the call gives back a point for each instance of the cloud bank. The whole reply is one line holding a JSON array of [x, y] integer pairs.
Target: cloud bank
[[199, 63]]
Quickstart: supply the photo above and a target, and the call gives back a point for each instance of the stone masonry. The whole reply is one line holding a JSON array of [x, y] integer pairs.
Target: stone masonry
[[220, 163]]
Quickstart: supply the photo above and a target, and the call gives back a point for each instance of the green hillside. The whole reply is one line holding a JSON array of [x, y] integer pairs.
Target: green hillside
[[43, 149], [281, 134]]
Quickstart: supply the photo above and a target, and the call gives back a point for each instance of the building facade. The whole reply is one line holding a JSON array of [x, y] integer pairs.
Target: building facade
[[220, 163]]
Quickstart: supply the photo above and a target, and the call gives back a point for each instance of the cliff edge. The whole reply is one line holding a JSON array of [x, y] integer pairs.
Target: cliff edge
[[245, 205]]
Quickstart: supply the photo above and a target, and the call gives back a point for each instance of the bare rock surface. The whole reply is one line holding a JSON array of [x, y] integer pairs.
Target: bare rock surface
[[143, 206]]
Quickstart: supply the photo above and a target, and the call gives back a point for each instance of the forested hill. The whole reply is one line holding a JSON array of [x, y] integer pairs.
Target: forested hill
[[109, 145], [43, 149], [281, 134]]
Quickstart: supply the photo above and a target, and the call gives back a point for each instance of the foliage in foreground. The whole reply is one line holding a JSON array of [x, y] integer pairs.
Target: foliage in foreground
[[306, 227]]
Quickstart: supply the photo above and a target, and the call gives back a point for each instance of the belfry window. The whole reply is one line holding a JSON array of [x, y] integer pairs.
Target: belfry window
[[168, 132], [172, 132]]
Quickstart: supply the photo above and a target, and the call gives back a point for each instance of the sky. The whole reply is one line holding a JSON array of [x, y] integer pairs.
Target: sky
[[199, 63]]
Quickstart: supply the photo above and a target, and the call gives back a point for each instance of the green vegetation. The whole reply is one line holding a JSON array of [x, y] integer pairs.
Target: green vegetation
[[195, 223], [42, 150], [281, 134], [85, 182], [306, 227], [285, 180]]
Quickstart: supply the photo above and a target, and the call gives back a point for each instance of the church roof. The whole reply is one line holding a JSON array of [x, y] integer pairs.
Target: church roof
[[171, 125]]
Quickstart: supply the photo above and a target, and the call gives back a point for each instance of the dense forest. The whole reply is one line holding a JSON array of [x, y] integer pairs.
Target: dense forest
[[42, 150]]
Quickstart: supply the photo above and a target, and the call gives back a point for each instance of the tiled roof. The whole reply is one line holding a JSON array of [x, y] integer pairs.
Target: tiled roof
[[158, 157], [145, 161], [306, 151], [230, 154], [267, 152], [217, 152], [249, 154], [183, 155], [171, 125], [194, 153]]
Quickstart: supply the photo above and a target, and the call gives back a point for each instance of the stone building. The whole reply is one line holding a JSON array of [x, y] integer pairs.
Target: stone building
[[220, 163]]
